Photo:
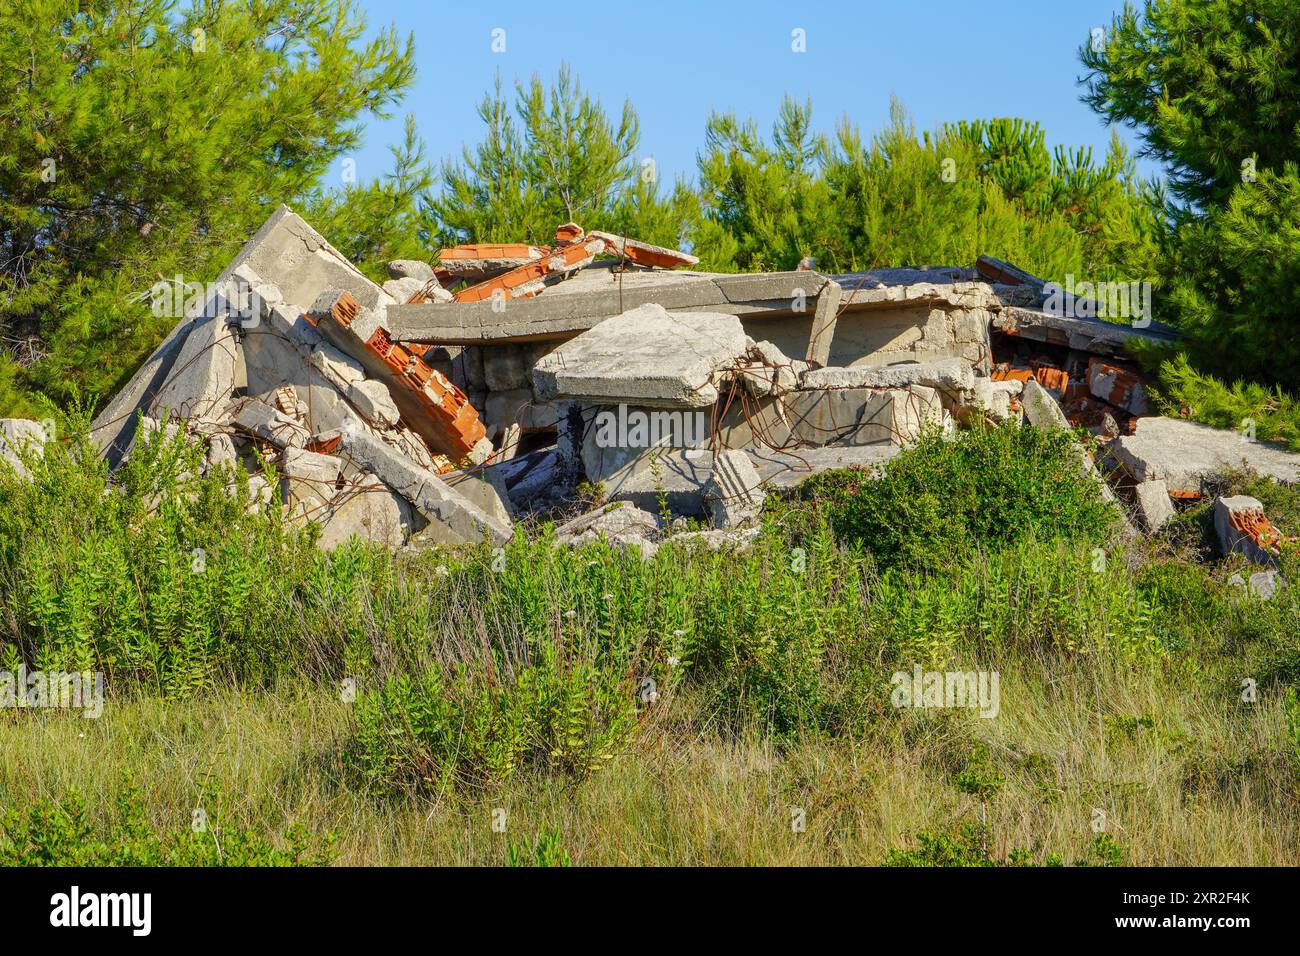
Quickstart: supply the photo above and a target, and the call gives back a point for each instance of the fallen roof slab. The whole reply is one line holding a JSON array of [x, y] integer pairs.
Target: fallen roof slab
[[569, 308], [1087, 335], [647, 355], [286, 252], [1186, 454]]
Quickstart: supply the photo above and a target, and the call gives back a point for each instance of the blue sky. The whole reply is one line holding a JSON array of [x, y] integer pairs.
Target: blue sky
[[944, 59]]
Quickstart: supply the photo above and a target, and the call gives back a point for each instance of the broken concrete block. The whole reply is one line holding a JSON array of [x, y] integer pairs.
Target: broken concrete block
[[648, 356], [270, 424], [453, 518], [951, 375], [410, 269], [338, 368], [614, 518], [203, 377], [367, 510], [1186, 454], [402, 290], [619, 523], [309, 477], [1041, 410], [375, 402], [1154, 504], [20, 435], [740, 539], [1262, 584], [486, 488], [1243, 529], [733, 494], [221, 451]]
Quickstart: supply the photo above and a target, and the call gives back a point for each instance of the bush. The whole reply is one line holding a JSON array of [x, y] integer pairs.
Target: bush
[[942, 499], [476, 726], [59, 833]]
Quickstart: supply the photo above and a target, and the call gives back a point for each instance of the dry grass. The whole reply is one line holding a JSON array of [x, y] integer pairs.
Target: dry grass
[[1186, 781]]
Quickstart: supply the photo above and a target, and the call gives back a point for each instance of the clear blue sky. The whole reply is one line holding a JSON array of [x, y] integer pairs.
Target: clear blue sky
[[944, 59]]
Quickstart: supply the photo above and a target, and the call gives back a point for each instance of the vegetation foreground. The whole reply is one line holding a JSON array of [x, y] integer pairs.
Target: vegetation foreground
[[269, 704]]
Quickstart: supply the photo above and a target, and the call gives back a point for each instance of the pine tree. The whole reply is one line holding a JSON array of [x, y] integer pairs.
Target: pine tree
[[141, 140], [556, 158], [1213, 89]]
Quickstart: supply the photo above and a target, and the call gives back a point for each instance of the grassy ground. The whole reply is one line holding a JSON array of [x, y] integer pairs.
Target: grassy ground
[[516, 682]]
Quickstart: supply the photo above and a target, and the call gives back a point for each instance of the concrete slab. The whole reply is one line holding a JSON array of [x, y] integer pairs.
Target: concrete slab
[[1154, 504], [285, 252], [20, 435], [1186, 454], [453, 518], [646, 356]]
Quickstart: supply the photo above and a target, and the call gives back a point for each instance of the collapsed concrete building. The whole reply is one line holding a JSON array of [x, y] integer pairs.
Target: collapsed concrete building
[[449, 401]]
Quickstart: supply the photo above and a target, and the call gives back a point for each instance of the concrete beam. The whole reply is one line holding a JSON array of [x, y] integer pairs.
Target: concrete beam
[[556, 314]]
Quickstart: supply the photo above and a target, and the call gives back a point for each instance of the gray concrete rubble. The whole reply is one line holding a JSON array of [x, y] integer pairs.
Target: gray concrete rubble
[[524, 379], [453, 518], [1188, 456], [1154, 505], [1261, 584], [624, 359], [733, 495], [620, 524], [19, 437], [1041, 409]]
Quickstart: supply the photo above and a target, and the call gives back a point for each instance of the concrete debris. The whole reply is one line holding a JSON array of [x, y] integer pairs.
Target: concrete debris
[[624, 359], [492, 383], [1243, 529], [309, 477], [1189, 456], [453, 518], [951, 375], [406, 289], [269, 424], [410, 269], [733, 495], [1041, 410], [714, 539], [1154, 505], [19, 436], [1261, 584]]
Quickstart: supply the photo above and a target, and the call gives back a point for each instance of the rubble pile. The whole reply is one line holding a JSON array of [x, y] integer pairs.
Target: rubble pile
[[489, 384]]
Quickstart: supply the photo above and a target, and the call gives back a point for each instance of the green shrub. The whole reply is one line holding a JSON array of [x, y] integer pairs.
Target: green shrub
[[59, 833], [477, 726], [544, 851], [944, 498]]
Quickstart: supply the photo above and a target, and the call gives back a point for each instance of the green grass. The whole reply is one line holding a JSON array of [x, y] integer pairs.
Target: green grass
[[363, 708]]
